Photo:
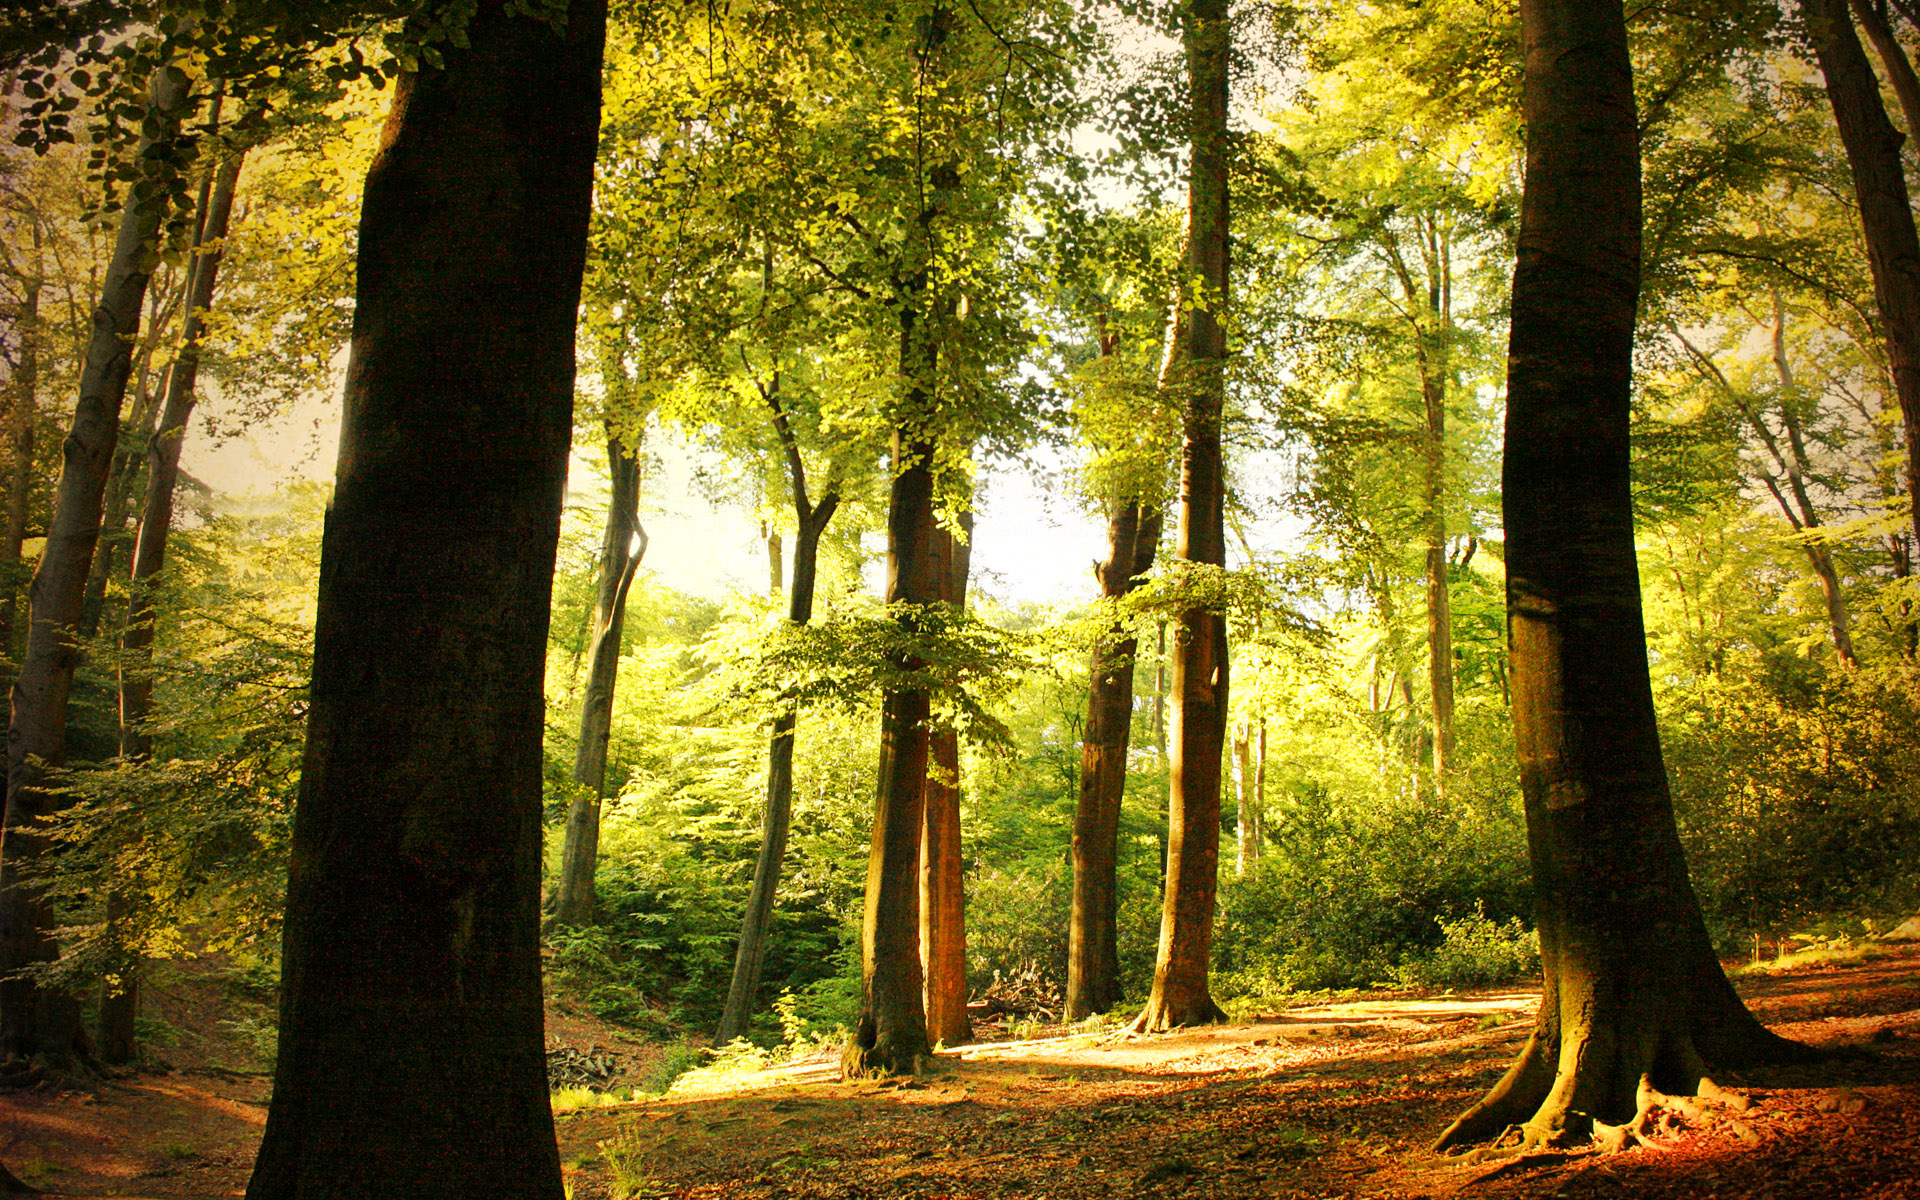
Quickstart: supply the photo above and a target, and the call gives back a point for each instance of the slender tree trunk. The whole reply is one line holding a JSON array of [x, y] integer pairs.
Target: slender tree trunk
[[34, 1020], [1894, 57], [776, 553], [1819, 554], [943, 904], [1439, 603], [1093, 951], [120, 999], [1180, 995], [1633, 990], [1244, 820], [777, 817], [1886, 213], [1260, 791], [26, 384], [412, 1057], [619, 561]]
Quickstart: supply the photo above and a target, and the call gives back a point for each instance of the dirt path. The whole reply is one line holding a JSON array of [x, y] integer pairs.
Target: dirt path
[[1334, 1101]]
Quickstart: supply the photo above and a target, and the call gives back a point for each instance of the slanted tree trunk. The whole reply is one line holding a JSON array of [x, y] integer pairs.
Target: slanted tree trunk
[[26, 384], [621, 549], [1633, 990], [120, 998], [1886, 213], [776, 818], [1180, 995], [1093, 951], [943, 903], [36, 1020], [412, 1057], [1894, 57]]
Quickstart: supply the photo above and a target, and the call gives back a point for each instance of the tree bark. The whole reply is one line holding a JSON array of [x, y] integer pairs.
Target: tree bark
[[412, 1058], [1906, 87], [1093, 954], [26, 384], [892, 1031], [943, 904], [36, 1020], [776, 818], [1633, 990], [120, 1000], [1886, 214], [1180, 995], [619, 562]]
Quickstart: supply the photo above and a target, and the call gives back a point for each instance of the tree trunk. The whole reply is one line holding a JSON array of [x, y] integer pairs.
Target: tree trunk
[[619, 561], [26, 383], [1244, 820], [34, 1020], [943, 904], [1260, 791], [120, 1000], [777, 818], [1886, 213], [1633, 991], [1180, 995], [411, 1029], [892, 1031], [1093, 954], [1894, 57]]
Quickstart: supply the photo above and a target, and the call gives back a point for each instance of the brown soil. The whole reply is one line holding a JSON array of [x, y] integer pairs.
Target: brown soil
[[1335, 1101]]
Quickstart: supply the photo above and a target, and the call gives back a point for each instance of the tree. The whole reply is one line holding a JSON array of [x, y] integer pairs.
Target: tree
[[1886, 211], [943, 903], [411, 1049], [1093, 956], [120, 1002], [1180, 995], [34, 1020], [1635, 1002], [621, 550]]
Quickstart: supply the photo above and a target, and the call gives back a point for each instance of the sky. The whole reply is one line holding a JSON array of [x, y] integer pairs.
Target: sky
[[1033, 541]]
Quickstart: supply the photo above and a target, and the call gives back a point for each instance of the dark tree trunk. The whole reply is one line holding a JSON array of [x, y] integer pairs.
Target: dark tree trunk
[[120, 1000], [776, 818], [943, 903], [35, 1020], [1093, 954], [26, 384], [411, 1029], [1180, 995], [892, 1032], [1886, 213], [1894, 56], [619, 561], [1633, 990]]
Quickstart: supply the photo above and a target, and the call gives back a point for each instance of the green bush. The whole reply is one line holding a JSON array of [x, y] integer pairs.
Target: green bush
[[1475, 951]]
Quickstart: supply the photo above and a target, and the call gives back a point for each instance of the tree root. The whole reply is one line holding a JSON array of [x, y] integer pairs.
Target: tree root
[[1658, 1116]]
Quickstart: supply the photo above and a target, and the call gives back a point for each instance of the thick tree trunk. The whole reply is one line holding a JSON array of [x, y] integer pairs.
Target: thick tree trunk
[[943, 904], [120, 1000], [34, 1020], [1886, 213], [619, 561], [1093, 953], [1633, 990], [776, 818], [412, 1058], [892, 1031], [1180, 995]]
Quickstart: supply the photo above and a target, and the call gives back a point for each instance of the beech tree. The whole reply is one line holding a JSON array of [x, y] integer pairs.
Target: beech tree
[[943, 905], [1635, 1003], [411, 1056], [1180, 994], [36, 1020]]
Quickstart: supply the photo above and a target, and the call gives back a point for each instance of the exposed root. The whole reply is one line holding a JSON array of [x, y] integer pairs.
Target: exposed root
[[1658, 1117]]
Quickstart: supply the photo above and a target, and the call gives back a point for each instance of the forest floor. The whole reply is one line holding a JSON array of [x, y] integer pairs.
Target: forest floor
[[1329, 1101]]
